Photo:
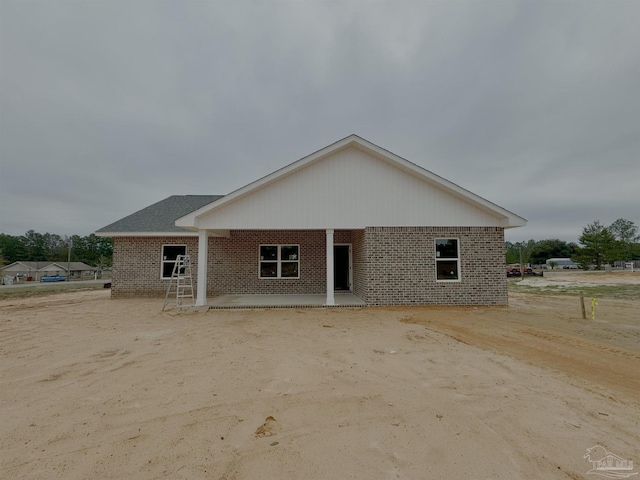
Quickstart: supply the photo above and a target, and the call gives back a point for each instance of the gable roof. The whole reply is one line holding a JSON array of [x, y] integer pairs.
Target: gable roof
[[159, 218], [28, 265], [46, 266], [478, 209], [73, 266]]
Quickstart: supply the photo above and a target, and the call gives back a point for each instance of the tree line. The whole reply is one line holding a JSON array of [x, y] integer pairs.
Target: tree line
[[597, 245], [49, 247]]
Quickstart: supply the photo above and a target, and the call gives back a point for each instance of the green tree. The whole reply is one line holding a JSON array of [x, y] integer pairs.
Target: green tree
[[598, 246], [13, 248], [105, 247], [92, 250], [47, 247], [50, 247], [36, 248], [78, 248], [513, 251], [626, 234], [551, 248], [55, 248], [624, 231]]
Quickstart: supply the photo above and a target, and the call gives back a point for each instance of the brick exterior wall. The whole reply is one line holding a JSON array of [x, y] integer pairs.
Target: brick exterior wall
[[359, 256], [233, 262], [137, 263], [391, 265], [399, 266]]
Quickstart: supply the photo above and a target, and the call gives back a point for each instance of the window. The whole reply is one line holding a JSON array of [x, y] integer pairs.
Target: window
[[169, 255], [447, 259], [279, 261]]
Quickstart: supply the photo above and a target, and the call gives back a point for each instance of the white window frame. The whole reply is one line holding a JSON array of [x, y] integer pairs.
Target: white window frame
[[279, 261], [163, 261], [456, 259]]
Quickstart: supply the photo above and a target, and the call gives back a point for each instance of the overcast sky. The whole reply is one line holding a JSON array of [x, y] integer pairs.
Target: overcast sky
[[108, 107]]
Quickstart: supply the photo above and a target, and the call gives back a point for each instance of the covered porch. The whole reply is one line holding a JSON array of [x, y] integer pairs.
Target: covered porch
[[306, 268]]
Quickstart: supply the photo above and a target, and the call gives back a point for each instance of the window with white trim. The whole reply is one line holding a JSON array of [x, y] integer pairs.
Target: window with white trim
[[169, 255], [279, 261], [447, 260]]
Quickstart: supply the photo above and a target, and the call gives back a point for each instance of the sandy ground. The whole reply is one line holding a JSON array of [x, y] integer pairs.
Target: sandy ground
[[92, 388], [600, 278]]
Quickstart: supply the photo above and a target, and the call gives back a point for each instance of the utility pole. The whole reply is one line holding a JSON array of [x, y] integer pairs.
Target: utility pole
[[69, 259], [521, 265]]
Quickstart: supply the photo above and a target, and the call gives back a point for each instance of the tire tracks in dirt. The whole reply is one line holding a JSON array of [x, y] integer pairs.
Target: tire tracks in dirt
[[604, 368]]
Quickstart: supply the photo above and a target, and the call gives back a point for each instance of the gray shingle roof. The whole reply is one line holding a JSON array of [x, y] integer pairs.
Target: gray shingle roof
[[161, 216], [27, 264], [73, 266], [42, 265]]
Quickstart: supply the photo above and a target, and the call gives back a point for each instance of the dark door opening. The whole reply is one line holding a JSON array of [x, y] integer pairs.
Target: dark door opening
[[341, 267]]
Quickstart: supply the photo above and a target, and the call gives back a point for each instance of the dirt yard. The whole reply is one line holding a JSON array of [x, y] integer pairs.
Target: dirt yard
[[92, 388]]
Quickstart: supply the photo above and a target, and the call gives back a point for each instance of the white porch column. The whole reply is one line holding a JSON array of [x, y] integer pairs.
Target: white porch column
[[330, 287], [203, 254]]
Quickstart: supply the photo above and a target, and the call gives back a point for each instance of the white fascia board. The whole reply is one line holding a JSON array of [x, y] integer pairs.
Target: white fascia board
[[211, 233], [147, 234]]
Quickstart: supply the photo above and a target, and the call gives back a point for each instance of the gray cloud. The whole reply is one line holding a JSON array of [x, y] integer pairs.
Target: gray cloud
[[108, 107]]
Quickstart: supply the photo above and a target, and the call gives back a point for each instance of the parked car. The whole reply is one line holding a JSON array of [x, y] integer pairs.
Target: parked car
[[54, 278], [514, 269]]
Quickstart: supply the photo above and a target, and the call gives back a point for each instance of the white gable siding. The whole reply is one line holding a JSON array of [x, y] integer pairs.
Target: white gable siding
[[348, 189]]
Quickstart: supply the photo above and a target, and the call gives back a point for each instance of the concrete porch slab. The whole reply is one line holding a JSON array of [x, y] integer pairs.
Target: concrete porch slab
[[283, 301]]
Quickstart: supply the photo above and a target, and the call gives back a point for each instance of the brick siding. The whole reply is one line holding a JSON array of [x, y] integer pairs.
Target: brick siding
[[233, 262], [391, 265], [399, 266], [359, 255], [137, 263]]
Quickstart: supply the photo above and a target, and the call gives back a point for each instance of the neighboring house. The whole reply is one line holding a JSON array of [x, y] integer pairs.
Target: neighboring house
[[23, 269], [561, 263], [350, 217], [76, 269], [81, 270], [36, 270]]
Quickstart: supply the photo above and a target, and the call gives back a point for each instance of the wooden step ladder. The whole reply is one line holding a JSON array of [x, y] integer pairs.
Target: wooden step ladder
[[180, 288]]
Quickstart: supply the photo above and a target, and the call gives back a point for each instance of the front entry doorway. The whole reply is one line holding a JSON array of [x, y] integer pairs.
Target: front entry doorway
[[342, 267]]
